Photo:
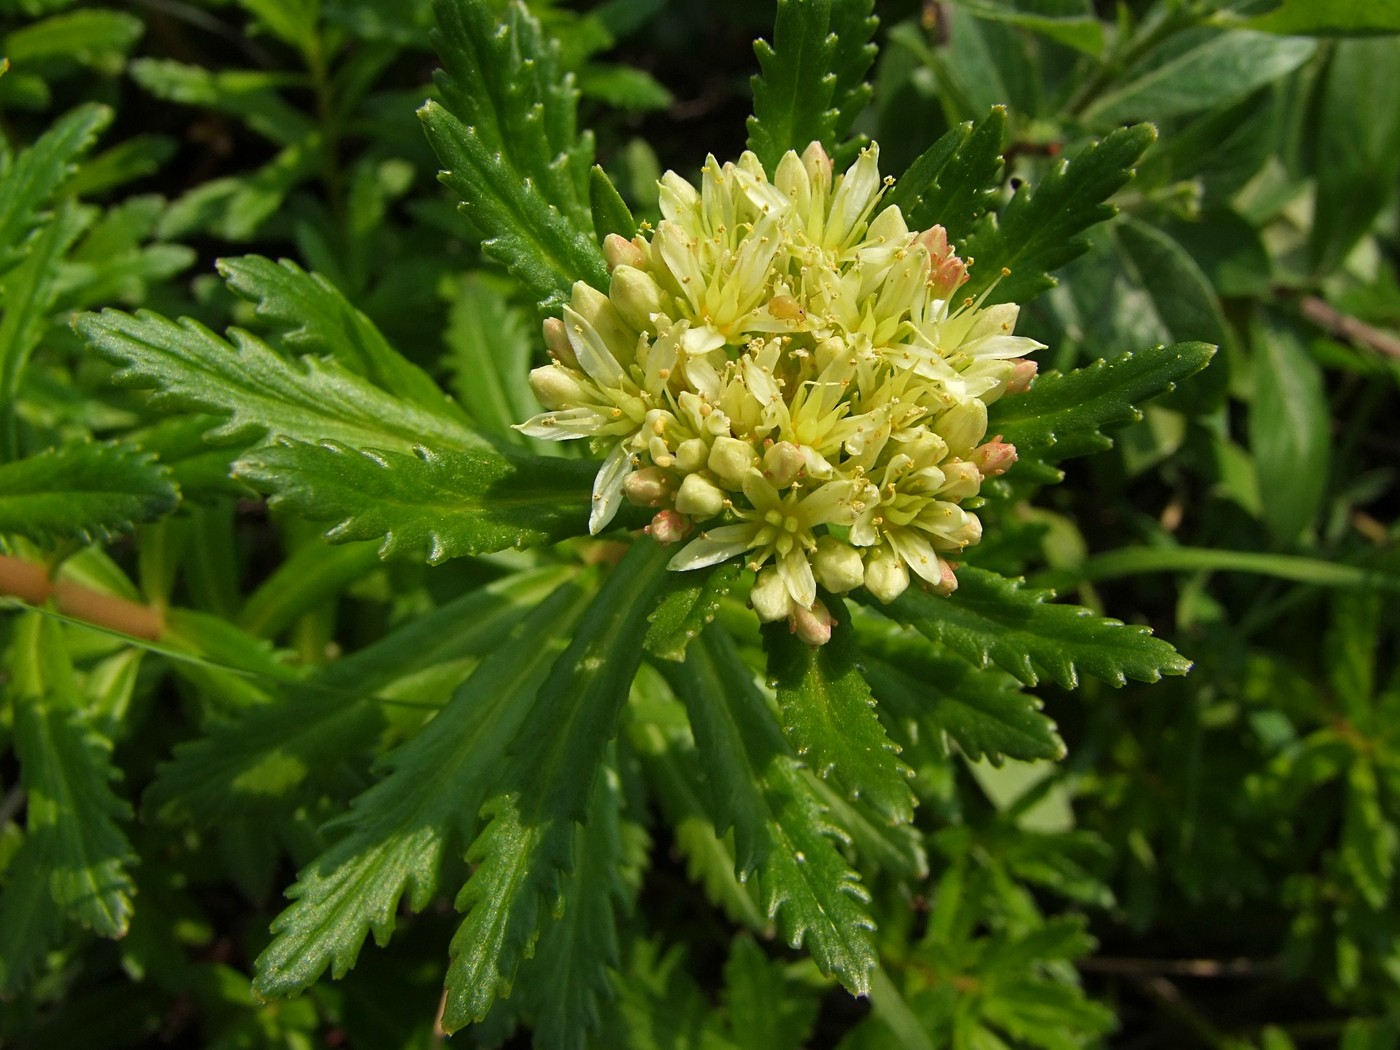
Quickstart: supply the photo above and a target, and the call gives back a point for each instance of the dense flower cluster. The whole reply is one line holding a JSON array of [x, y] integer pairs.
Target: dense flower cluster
[[788, 377]]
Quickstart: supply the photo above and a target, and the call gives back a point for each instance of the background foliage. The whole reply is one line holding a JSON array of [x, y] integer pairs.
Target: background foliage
[[1204, 861]]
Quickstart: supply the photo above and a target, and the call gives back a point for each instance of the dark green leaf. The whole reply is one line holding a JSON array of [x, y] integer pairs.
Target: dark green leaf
[[1063, 415], [30, 922], [1370, 840], [523, 854], [812, 85], [86, 491], [317, 319], [437, 505], [780, 830], [687, 604], [1356, 146], [983, 711], [492, 348], [1290, 430], [399, 831], [1040, 230], [259, 392], [994, 620], [251, 95], [829, 716], [1070, 22], [955, 180], [767, 1010], [97, 38], [66, 768]]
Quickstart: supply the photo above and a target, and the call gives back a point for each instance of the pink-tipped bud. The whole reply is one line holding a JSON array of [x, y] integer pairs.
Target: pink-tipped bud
[[649, 487], [947, 272], [556, 340], [668, 527], [1021, 377], [817, 163], [995, 457], [949, 582], [783, 462], [769, 597], [813, 625], [619, 251]]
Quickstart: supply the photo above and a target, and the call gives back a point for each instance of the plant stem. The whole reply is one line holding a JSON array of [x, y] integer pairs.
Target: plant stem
[[30, 583]]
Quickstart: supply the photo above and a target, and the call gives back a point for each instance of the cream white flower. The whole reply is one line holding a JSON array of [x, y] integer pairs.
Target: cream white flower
[[788, 375]]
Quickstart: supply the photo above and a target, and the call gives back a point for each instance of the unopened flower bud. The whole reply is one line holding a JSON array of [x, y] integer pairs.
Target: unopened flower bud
[[637, 296], [1021, 377], [731, 460], [837, 565], [949, 582], [783, 462], [813, 625], [556, 339], [963, 426], [961, 479], [691, 455], [886, 575], [791, 178], [619, 251], [769, 597], [700, 497], [668, 527], [555, 386], [995, 457], [817, 163], [649, 487]]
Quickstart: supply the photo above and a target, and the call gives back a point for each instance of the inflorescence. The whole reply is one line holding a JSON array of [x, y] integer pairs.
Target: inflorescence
[[788, 377]]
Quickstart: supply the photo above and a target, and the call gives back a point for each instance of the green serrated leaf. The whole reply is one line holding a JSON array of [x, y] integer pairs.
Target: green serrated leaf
[[527, 847], [257, 391], [400, 829], [829, 716], [610, 211], [954, 181], [1370, 841], [66, 768], [86, 491], [254, 763], [317, 319], [492, 349], [994, 620], [97, 38], [688, 603], [767, 1011], [1040, 229], [38, 172], [780, 830], [30, 922], [437, 505], [1064, 415], [982, 710], [251, 95], [812, 85]]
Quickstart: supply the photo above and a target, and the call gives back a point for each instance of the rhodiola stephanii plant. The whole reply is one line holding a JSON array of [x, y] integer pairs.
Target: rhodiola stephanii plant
[[804, 383]]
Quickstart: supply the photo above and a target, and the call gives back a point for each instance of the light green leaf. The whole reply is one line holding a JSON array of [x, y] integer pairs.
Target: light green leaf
[[251, 95], [84, 490], [990, 619], [255, 763], [1130, 561], [65, 768], [1356, 146], [829, 716], [37, 173], [1330, 17], [610, 211], [1064, 415], [97, 38], [1040, 229], [437, 505], [521, 857], [689, 602], [780, 830], [259, 392], [399, 831], [1290, 430], [624, 87], [954, 181], [1070, 22], [317, 319], [813, 80], [1198, 69], [1369, 841]]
